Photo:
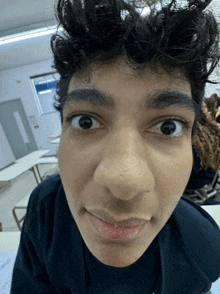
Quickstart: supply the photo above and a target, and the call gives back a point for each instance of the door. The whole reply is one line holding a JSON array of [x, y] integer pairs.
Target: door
[[16, 127]]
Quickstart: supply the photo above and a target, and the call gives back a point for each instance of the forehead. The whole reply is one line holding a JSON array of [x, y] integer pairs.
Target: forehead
[[119, 86], [123, 76], [121, 69]]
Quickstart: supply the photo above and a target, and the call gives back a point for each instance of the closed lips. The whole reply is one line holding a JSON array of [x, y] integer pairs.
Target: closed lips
[[107, 218]]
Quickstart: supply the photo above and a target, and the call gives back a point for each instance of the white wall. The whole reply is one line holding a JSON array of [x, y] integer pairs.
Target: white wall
[[16, 83]]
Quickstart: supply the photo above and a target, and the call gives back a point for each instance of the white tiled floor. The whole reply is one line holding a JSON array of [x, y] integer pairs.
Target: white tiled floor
[[19, 188]]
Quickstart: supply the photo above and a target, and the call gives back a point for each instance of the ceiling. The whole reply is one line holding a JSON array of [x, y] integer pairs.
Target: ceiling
[[23, 15], [18, 16]]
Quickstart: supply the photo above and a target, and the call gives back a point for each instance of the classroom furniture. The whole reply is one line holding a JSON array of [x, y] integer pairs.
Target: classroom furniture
[[56, 141], [214, 211], [9, 241], [199, 196], [33, 155], [23, 203], [28, 162], [55, 136], [21, 165]]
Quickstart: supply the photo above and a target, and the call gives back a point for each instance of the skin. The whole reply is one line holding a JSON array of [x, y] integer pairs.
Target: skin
[[124, 166]]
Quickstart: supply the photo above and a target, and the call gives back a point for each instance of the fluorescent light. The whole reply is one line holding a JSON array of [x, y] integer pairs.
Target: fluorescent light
[[45, 81], [29, 34], [44, 92]]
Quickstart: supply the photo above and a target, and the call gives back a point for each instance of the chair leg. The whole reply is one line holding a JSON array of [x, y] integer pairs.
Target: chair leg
[[197, 196], [1, 230], [202, 194], [16, 219], [39, 173]]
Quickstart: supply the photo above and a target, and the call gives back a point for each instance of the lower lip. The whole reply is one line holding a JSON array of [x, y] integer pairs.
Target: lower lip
[[113, 232]]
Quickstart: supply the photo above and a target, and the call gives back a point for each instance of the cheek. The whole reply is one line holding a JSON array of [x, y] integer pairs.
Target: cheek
[[173, 180], [67, 165], [176, 167], [76, 169]]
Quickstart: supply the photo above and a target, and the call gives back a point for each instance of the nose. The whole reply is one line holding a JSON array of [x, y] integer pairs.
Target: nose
[[124, 168]]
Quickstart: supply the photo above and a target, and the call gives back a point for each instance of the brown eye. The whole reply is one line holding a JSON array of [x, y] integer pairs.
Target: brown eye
[[84, 122], [170, 127]]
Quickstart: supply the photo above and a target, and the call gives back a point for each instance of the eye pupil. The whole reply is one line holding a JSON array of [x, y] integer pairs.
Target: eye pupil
[[85, 122], [168, 127]]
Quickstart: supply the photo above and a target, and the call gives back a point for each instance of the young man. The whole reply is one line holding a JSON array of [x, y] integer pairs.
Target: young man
[[130, 92]]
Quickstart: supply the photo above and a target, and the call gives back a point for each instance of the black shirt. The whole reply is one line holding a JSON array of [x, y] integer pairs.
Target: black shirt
[[52, 257], [199, 176], [136, 278]]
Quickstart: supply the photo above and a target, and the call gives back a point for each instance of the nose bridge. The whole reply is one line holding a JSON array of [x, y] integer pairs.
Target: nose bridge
[[124, 168]]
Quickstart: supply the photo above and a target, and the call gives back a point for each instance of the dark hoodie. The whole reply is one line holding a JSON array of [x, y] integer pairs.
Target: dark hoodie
[[184, 258]]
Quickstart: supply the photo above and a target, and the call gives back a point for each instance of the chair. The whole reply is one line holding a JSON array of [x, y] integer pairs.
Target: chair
[[51, 171], [20, 205], [24, 202], [200, 195]]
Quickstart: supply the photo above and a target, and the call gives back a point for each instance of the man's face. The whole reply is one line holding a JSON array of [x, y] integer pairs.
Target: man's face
[[124, 162]]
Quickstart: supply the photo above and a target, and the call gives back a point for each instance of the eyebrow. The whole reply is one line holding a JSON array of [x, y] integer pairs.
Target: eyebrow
[[158, 100]]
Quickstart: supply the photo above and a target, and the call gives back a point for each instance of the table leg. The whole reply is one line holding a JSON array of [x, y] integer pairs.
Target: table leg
[[38, 172], [32, 169], [16, 218]]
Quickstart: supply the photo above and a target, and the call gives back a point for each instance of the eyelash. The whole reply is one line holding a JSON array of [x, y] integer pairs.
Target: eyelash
[[186, 124]]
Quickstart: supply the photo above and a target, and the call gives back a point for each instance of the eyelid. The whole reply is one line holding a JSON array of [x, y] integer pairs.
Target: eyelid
[[186, 123], [71, 116]]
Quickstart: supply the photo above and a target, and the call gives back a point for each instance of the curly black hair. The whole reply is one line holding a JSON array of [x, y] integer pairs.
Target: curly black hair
[[206, 141], [99, 31]]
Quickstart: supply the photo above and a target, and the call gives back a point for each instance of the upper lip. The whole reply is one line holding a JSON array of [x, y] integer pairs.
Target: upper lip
[[126, 222]]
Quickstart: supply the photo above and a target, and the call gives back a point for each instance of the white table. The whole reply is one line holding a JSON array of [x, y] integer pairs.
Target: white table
[[22, 204], [23, 164], [56, 141], [9, 241], [214, 211], [15, 170], [33, 155], [55, 136], [51, 159]]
